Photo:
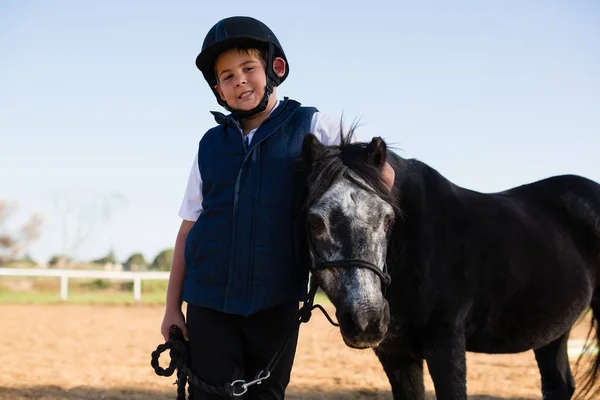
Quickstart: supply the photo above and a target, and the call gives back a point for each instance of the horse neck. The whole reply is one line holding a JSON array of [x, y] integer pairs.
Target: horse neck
[[429, 207], [423, 191], [426, 201]]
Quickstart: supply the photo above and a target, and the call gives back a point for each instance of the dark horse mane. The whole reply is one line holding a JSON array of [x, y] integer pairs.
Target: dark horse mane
[[335, 163]]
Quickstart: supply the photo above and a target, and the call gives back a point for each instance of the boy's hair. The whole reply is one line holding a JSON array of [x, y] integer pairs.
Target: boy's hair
[[259, 53]]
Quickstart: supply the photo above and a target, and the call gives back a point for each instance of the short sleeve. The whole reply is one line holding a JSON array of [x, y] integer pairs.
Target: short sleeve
[[327, 129], [191, 206]]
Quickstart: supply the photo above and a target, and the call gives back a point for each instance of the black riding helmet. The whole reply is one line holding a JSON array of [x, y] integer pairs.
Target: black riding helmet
[[241, 32]]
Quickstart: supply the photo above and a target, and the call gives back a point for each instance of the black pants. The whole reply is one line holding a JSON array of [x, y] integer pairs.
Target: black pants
[[226, 347]]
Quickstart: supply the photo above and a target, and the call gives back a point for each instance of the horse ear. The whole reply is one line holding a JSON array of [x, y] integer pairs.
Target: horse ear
[[312, 149], [376, 152]]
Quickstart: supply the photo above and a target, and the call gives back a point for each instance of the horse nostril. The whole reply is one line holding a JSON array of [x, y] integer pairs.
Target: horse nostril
[[376, 326], [351, 324], [345, 320]]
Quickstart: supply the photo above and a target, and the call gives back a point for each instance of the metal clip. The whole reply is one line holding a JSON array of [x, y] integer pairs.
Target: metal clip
[[244, 385]]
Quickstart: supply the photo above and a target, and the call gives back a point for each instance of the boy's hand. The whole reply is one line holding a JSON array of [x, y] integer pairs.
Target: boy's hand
[[388, 175], [173, 317]]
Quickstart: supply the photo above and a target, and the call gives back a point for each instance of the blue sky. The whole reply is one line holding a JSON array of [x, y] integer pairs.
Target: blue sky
[[100, 100]]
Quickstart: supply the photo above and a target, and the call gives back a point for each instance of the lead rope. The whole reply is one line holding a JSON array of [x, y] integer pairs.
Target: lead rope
[[179, 353]]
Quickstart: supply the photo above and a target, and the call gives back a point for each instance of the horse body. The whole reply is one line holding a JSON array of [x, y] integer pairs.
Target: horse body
[[501, 272], [508, 263]]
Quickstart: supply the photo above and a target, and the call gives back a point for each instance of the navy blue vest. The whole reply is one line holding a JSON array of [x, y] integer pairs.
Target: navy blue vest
[[243, 253]]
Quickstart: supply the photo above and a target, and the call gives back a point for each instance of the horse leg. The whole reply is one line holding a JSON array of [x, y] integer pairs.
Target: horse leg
[[445, 353], [405, 374], [553, 362]]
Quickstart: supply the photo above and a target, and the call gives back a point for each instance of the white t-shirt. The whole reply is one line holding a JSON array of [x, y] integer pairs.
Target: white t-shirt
[[324, 127]]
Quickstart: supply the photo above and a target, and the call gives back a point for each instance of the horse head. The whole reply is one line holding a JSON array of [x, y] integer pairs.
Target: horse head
[[349, 215]]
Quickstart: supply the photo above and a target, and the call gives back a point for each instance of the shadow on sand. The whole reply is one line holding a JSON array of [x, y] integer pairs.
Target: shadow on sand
[[48, 392]]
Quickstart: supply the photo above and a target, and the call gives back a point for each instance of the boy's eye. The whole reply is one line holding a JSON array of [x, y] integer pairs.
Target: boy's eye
[[248, 69], [228, 77]]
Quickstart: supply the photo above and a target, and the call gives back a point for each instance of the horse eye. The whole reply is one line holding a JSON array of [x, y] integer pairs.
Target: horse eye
[[316, 224]]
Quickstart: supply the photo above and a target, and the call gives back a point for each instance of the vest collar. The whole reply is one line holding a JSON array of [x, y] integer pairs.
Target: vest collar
[[229, 119]]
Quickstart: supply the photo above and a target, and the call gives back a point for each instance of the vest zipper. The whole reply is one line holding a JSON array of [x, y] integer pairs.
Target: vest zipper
[[235, 208], [236, 197]]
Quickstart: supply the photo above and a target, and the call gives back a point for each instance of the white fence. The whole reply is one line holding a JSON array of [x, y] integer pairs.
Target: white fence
[[65, 274]]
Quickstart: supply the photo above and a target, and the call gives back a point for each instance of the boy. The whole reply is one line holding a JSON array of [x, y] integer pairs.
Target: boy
[[237, 262]]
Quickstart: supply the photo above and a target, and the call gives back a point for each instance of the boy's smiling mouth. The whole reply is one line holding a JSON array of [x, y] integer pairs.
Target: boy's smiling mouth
[[245, 95]]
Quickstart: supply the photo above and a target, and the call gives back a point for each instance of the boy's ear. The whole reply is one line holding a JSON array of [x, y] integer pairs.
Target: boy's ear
[[279, 66]]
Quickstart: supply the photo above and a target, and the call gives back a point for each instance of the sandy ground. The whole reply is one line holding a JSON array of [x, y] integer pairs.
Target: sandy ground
[[68, 352]]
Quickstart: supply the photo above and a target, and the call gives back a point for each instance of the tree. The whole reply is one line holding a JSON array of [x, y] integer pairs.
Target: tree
[[83, 211], [109, 258], [14, 243], [135, 262], [162, 262], [59, 261]]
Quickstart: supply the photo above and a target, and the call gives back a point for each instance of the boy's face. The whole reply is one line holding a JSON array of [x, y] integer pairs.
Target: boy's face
[[242, 79]]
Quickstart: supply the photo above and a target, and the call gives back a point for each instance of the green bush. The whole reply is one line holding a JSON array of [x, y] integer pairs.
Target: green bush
[[162, 262], [98, 284]]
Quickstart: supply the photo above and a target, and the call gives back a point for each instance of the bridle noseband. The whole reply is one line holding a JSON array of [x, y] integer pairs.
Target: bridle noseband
[[319, 264]]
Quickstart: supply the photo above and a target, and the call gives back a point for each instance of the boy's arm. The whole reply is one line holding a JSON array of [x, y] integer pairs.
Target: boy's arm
[[388, 175], [190, 209], [173, 312], [175, 286]]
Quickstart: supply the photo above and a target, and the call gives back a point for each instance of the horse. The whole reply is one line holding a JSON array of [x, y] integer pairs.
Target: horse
[[429, 270]]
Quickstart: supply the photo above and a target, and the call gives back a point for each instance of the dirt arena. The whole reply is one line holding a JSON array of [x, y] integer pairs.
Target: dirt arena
[[68, 352]]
